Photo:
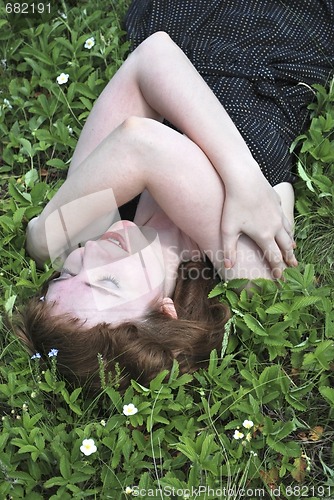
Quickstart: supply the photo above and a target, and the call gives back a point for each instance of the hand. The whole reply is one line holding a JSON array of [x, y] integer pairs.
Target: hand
[[254, 208]]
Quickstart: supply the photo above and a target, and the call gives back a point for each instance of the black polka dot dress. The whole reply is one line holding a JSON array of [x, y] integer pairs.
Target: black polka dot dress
[[258, 56]]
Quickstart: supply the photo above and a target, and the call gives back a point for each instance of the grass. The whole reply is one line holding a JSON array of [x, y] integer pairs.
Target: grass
[[275, 368]]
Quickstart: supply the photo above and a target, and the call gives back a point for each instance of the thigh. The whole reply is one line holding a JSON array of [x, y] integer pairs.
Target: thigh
[[286, 193]]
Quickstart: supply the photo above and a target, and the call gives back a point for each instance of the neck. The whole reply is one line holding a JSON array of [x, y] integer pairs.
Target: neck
[[176, 247]]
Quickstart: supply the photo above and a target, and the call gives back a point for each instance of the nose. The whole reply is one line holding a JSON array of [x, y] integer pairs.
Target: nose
[[100, 253], [90, 246], [93, 255]]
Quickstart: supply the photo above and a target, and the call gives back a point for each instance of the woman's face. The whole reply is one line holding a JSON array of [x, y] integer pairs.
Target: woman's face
[[112, 279]]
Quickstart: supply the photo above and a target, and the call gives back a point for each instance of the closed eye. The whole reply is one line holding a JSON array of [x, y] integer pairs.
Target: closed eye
[[110, 279], [66, 273]]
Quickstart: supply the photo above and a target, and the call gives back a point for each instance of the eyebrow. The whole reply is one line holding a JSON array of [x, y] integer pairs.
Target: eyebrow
[[90, 285]]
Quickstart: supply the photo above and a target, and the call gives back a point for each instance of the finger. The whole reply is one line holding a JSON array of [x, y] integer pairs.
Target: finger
[[289, 229], [274, 257], [286, 245], [230, 250]]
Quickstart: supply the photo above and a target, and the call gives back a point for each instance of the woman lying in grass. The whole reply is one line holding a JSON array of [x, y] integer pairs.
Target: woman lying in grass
[[136, 293]]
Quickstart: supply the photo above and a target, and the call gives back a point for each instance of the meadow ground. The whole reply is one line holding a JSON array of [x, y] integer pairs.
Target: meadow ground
[[258, 423]]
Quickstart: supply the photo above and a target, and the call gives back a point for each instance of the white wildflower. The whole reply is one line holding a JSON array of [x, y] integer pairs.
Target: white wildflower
[[88, 447], [8, 104], [129, 409], [89, 43], [62, 78], [238, 435], [248, 424]]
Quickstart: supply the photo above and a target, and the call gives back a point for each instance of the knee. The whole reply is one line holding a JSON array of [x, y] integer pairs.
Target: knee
[[159, 37], [139, 138], [160, 40], [132, 125], [137, 129]]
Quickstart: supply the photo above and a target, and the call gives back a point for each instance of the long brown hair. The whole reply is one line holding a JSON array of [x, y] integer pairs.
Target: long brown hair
[[142, 348]]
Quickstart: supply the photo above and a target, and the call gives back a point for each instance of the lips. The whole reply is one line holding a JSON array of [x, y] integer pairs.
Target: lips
[[115, 238]]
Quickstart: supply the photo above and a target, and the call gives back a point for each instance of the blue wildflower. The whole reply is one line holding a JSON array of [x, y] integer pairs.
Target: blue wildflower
[[36, 356], [52, 353]]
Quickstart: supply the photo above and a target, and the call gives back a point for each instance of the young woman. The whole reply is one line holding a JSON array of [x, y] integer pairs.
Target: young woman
[[125, 292]]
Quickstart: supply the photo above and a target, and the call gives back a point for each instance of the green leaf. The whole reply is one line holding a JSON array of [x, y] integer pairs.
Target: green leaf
[[139, 440], [303, 302], [115, 398], [295, 403], [9, 304], [87, 103], [280, 308], [38, 192], [3, 22], [187, 448], [217, 290], [19, 214], [327, 393], [22, 475], [279, 328], [31, 177], [55, 481], [75, 394], [65, 466], [85, 91], [324, 353], [156, 383], [57, 163], [139, 388], [254, 325], [303, 175], [3, 439], [309, 275], [286, 429], [21, 197], [37, 55], [290, 449], [28, 448], [26, 146]]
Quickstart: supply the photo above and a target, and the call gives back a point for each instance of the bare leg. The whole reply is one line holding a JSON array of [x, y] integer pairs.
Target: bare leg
[[159, 81], [175, 171]]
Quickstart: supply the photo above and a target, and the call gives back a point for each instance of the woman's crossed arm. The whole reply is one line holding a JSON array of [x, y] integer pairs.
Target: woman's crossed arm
[[158, 81]]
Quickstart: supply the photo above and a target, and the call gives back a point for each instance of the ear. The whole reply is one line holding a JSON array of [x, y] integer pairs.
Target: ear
[[168, 308]]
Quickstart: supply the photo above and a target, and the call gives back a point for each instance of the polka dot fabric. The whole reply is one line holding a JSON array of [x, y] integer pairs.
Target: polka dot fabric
[[258, 57]]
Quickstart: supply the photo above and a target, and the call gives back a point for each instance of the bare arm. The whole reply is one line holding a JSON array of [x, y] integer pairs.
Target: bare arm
[[164, 83], [142, 154], [252, 207]]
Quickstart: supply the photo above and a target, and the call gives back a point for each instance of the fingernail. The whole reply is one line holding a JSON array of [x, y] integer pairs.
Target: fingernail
[[227, 263], [277, 273]]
